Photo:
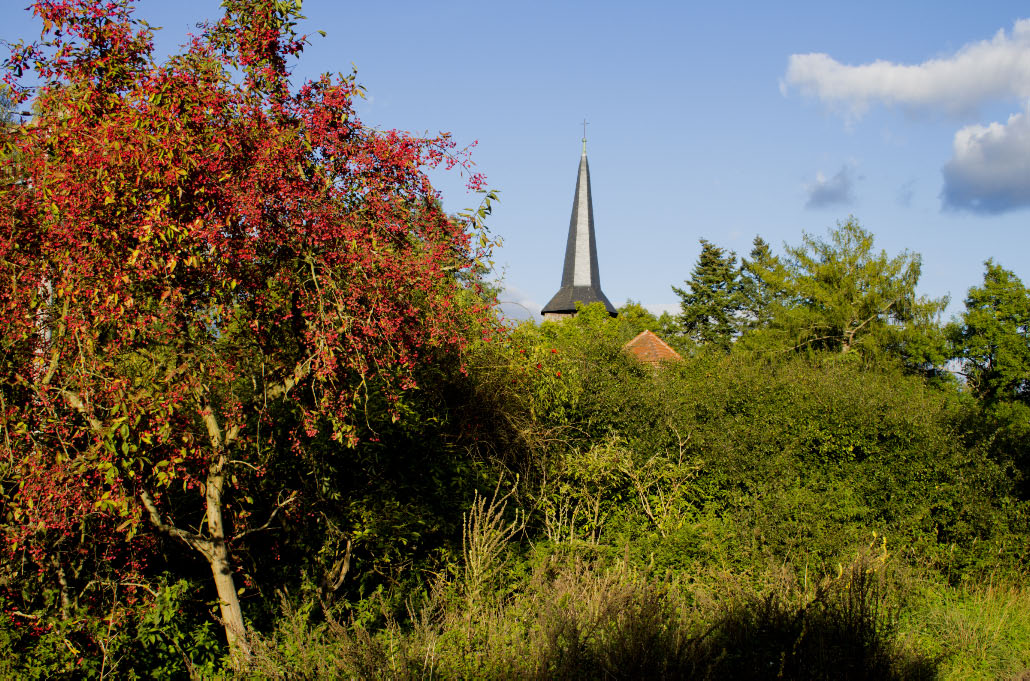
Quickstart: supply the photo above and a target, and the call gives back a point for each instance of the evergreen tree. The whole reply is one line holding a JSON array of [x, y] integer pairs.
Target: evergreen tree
[[711, 303], [993, 341], [757, 296]]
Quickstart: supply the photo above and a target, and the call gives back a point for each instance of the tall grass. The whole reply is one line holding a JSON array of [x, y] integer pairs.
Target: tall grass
[[565, 615], [573, 619], [976, 631]]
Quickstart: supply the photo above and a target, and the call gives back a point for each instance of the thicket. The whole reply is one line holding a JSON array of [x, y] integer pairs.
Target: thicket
[[258, 421], [728, 516]]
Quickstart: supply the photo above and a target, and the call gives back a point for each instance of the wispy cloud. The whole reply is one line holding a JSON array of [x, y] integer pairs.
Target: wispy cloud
[[831, 191], [906, 192], [989, 171], [516, 304], [979, 72]]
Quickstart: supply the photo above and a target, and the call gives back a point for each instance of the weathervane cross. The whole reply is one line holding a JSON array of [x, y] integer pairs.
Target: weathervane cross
[[585, 129]]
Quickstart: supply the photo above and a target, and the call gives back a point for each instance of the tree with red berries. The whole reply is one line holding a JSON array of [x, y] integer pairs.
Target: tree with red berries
[[188, 251]]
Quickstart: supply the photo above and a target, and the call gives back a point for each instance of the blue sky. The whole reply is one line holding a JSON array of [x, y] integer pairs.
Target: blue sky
[[714, 121]]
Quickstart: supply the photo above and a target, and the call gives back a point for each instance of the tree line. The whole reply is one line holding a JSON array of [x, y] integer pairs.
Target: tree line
[[838, 294]]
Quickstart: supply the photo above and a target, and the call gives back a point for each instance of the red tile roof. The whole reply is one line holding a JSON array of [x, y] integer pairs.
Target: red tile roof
[[647, 347]]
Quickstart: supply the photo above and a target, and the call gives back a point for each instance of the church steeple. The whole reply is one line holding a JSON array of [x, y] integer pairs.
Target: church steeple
[[580, 280]]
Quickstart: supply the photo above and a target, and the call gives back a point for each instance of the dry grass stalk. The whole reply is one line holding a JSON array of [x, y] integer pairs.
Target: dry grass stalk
[[485, 535]]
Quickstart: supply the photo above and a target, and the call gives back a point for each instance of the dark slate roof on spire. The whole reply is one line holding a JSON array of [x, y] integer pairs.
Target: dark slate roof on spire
[[580, 280]]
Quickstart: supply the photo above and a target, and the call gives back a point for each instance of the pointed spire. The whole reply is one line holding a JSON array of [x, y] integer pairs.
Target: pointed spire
[[580, 281]]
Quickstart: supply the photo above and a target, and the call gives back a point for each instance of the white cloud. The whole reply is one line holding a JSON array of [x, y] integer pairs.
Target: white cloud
[[979, 72], [831, 191], [989, 171], [515, 304]]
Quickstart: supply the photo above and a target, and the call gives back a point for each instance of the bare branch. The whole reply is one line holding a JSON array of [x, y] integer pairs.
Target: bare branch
[[141, 586], [234, 462], [809, 342], [76, 403], [271, 517], [195, 540], [214, 431], [300, 372], [54, 352], [7, 438], [333, 579], [875, 316]]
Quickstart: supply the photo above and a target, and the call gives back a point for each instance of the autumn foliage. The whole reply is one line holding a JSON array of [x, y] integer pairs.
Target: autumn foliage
[[186, 250]]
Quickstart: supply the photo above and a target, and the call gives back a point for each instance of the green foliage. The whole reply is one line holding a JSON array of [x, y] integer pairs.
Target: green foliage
[[840, 295], [758, 297], [583, 489], [978, 631], [170, 637], [993, 339], [710, 304], [638, 318], [485, 536], [736, 460], [634, 318]]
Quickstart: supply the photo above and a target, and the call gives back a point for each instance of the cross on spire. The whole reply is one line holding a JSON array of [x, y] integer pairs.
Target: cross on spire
[[581, 281]]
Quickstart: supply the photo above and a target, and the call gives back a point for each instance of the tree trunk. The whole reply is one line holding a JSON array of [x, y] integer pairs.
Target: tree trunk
[[212, 546], [221, 568], [214, 550]]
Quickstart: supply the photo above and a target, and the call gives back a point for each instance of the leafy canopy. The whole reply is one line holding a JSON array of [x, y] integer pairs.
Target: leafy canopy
[[839, 294], [194, 254], [993, 339]]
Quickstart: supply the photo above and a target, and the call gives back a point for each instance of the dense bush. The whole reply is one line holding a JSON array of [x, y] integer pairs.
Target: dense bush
[[738, 459]]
